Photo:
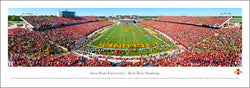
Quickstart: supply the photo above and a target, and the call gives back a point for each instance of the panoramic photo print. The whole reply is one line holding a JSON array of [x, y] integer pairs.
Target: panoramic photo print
[[125, 37]]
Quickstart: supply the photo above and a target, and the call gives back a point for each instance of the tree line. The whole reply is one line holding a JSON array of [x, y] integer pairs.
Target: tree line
[[17, 18], [14, 18]]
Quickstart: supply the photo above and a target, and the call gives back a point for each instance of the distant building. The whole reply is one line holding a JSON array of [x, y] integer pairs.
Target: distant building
[[119, 17], [127, 18], [65, 13], [134, 17]]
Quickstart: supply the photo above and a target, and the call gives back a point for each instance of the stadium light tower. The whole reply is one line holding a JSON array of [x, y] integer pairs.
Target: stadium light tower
[[223, 13], [27, 14], [230, 13]]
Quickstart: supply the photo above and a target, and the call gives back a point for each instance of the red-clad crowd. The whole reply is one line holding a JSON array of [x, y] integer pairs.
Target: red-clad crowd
[[64, 60], [67, 36], [180, 59], [48, 21], [210, 59], [207, 47], [223, 49], [73, 60], [226, 40], [24, 41], [216, 47], [189, 35], [33, 43], [199, 20]]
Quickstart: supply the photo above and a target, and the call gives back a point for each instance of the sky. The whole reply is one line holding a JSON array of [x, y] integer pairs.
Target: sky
[[131, 11]]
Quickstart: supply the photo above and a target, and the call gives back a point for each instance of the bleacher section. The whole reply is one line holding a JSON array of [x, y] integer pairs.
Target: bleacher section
[[210, 21], [206, 47], [41, 22], [186, 35]]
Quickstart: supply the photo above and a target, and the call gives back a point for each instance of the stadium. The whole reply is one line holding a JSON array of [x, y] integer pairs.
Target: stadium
[[67, 40]]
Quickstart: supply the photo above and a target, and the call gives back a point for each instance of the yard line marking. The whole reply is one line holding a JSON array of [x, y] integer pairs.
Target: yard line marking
[[120, 35], [123, 38], [134, 37], [100, 35], [151, 31], [158, 37]]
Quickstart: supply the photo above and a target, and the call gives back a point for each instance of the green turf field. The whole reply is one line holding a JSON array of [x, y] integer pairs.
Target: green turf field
[[236, 20], [134, 37], [10, 22], [128, 34]]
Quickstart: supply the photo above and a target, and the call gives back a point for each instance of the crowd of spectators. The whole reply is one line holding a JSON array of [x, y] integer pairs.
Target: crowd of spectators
[[127, 51], [73, 60], [211, 58], [227, 39], [179, 59], [207, 47], [217, 47], [221, 50], [198, 20], [69, 35], [186, 34], [48, 21], [24, 41]]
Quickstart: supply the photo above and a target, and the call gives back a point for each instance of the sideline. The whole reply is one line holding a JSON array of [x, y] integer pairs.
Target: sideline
[[92, 34], [89, 55], [171, 39], [156, 36], [99, 35], [89, 44]]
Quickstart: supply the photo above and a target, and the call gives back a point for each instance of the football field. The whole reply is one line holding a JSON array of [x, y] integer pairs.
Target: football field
[[127, 36]]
